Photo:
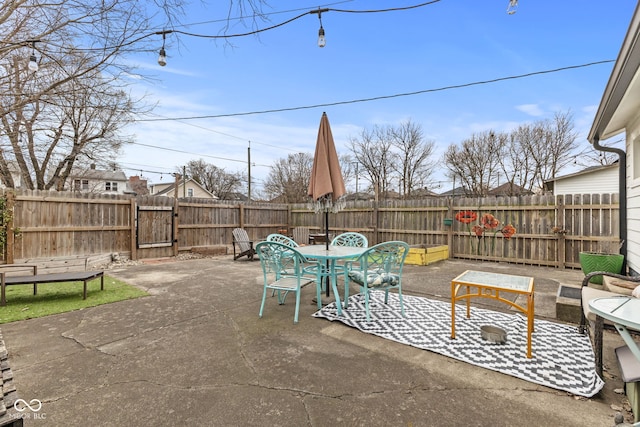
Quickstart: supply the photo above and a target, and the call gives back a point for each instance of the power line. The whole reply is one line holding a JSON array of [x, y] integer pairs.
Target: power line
[[196, 154], [378, 98], [221, 133]]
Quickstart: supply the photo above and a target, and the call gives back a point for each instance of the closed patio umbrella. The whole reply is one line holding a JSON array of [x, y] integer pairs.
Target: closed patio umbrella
[[326, 186]]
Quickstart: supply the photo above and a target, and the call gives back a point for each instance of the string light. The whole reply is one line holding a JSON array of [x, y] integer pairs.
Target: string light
[[513, 6], [162, 57], [322, 42], [33, 61]]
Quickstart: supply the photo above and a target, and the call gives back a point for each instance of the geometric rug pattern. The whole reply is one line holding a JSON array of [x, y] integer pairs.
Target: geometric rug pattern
[[561, 357]]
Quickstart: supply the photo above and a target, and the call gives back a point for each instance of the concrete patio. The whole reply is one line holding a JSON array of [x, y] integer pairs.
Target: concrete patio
[[196, 353]]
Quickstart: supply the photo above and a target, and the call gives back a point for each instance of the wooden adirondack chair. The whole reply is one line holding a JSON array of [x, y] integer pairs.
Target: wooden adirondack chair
[[242, 246]]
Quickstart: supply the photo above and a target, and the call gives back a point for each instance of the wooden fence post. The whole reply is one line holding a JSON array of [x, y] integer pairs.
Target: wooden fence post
[[10, 202], [450, 229], [376, 225], [133, 244], [561, 257], [241, 215], [176, 219]]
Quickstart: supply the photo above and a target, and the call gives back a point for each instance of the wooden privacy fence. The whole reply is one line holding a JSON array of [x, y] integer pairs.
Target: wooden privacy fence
[[549, 230]]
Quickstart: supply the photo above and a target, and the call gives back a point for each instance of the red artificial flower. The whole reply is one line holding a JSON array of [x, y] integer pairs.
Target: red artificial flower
[[466, 217], [478, 229], [489, 221], [508, 231]]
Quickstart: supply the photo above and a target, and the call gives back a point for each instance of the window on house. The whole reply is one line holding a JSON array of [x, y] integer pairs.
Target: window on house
[[190, 192], [111, 186], [80, 184]]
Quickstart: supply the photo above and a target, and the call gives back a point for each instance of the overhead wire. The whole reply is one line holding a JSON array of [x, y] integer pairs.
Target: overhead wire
[[195, 154], [381, 97], [248, 33]]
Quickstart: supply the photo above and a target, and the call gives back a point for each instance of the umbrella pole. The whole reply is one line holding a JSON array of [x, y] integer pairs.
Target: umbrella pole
[[326, 232], [326, 228]]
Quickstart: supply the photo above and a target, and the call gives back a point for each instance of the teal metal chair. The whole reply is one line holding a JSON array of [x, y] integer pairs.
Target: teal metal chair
[[283, 272], [350, 239], [310, 270], [378, 268], [281, 238]]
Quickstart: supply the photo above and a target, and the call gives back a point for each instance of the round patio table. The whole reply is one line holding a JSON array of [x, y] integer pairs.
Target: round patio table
[[326, 260]]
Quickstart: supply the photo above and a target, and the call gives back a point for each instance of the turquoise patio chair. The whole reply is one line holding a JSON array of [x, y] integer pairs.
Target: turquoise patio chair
[[378, 268], [310, 270], [349, 239], [281, 238], [283, 272]]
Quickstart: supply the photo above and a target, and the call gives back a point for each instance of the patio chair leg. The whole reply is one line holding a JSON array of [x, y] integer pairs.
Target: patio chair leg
[[264, 297], [295, 317]]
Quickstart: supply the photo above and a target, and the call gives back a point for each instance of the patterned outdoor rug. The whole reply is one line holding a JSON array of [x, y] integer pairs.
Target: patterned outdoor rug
[[562, 358]]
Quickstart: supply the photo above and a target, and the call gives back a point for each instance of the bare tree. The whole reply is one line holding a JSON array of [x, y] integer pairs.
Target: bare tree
[[517, 168], [58, 131], [373, 152], [288, 179], [541, 150], [412, 155], [75, 106], [592, 157], [216, 180], [476, 162]]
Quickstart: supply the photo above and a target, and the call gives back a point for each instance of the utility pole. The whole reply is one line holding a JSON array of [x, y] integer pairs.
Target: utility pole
[[184, 181]]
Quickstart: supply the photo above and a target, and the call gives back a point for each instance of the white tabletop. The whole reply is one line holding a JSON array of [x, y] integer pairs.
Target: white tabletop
[[334, 252], [623, 310]]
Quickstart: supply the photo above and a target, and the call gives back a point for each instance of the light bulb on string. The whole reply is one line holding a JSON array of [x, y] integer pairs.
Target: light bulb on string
[[321, 40], [162, 57], [33, 61], [513, 5]]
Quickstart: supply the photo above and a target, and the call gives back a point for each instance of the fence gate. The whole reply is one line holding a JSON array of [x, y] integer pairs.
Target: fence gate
[[155, 231]]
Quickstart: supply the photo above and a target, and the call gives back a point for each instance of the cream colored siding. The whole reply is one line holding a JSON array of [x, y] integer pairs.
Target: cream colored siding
[[633, 200], [603, 181]]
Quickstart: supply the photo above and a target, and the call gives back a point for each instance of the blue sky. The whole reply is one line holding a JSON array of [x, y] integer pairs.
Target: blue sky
[[368, 55]]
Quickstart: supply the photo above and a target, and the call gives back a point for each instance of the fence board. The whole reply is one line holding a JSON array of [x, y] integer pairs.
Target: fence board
[[55, 224]]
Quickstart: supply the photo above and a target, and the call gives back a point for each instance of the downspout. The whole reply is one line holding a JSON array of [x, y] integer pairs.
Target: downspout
[[622, 191]]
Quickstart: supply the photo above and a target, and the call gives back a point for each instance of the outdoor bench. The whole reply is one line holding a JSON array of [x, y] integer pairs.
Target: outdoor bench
[[34, 278]]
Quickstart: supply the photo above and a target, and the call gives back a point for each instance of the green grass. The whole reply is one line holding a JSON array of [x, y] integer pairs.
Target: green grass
[[54, 298]]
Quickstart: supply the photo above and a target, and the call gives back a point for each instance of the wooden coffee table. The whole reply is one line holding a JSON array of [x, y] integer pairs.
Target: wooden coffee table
[[480, 284]]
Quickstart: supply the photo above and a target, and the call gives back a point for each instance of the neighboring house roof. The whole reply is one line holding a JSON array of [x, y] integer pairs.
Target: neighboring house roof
[[100, 175], [621, 99], [509, 189], [458, 191], [422, 192], [358, 196], [236, 196], [167, 189]]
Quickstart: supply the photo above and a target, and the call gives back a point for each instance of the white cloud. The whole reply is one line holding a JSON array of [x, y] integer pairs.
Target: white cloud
[[531, 109]]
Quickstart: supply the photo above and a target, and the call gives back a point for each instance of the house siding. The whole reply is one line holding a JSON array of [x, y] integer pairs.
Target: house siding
[[633, 199], [597, 182]]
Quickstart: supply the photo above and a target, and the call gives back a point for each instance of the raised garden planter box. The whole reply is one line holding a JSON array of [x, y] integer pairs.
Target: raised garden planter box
[[426, 254]]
